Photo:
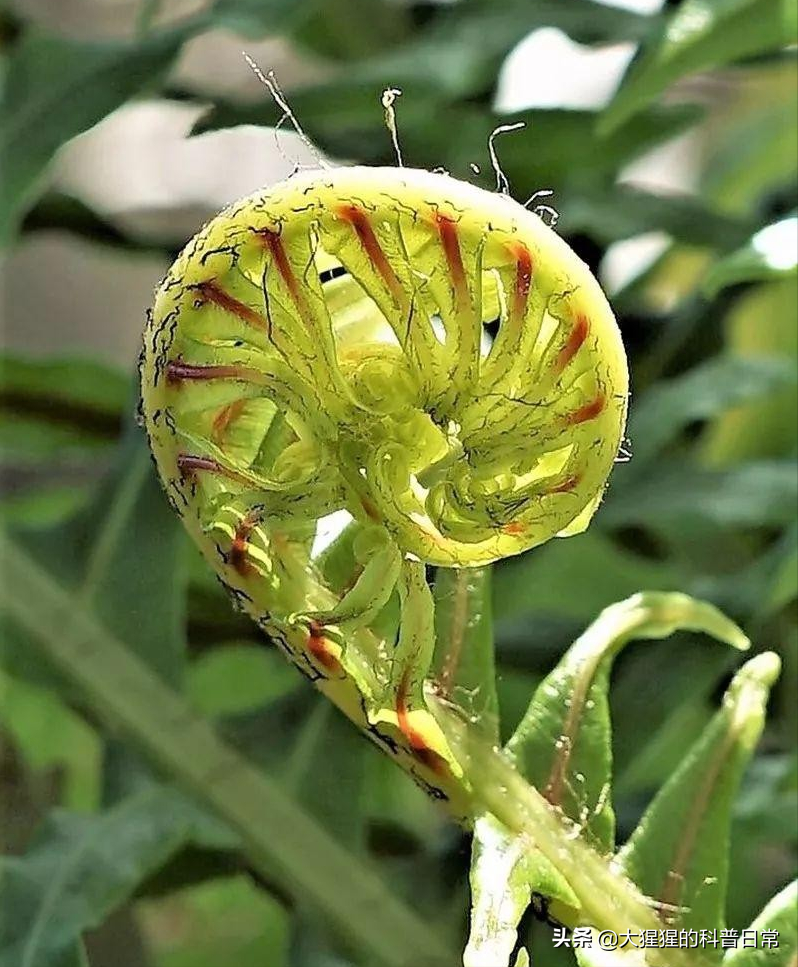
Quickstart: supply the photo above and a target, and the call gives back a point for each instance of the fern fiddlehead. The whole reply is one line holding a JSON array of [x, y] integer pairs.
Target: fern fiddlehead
[[362, 372]]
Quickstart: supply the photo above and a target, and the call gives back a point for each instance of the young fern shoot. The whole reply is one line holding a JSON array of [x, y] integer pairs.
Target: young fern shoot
[[364, 372], [321, 354]]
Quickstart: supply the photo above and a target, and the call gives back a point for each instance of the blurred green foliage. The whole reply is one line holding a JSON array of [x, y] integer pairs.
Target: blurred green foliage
[[706, 505]]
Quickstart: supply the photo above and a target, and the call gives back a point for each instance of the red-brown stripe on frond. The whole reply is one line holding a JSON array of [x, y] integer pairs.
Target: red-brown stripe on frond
[[358, 219], [523, 279], [223, 419], [447, 230], [212, 292], [587, 412], [565, 487], [274, 244], [573, 344]]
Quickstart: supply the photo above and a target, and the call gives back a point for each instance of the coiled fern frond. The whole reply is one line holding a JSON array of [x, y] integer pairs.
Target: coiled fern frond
[[361, 372]]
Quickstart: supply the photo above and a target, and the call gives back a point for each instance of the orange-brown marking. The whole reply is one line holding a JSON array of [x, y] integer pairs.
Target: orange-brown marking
[[513, 529], [223, 419], [320, 649], [574, 343], [566, 486], [587, 412], [429, 757], [447, 230], [371, 510], [213, 293], [239, 550], [358, 219], [523, 279]]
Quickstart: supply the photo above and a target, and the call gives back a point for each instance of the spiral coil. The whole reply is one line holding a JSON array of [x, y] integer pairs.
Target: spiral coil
[[361, 372], [327, 346]]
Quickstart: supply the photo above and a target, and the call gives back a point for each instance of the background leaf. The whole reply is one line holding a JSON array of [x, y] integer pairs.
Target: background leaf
[[673, 498], [701, 34], [677, 854], [779, 915], [700, 394], [51, 406], [771, 254], [563, 747], [274, 829], [563, 743], [80, 868], [56, 88], [127, 522]]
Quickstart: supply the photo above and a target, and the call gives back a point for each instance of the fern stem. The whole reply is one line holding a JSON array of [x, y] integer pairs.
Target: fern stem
[[609, 900]]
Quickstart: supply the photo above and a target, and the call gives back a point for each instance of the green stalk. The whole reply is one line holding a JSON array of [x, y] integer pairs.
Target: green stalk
[[609, 900]]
